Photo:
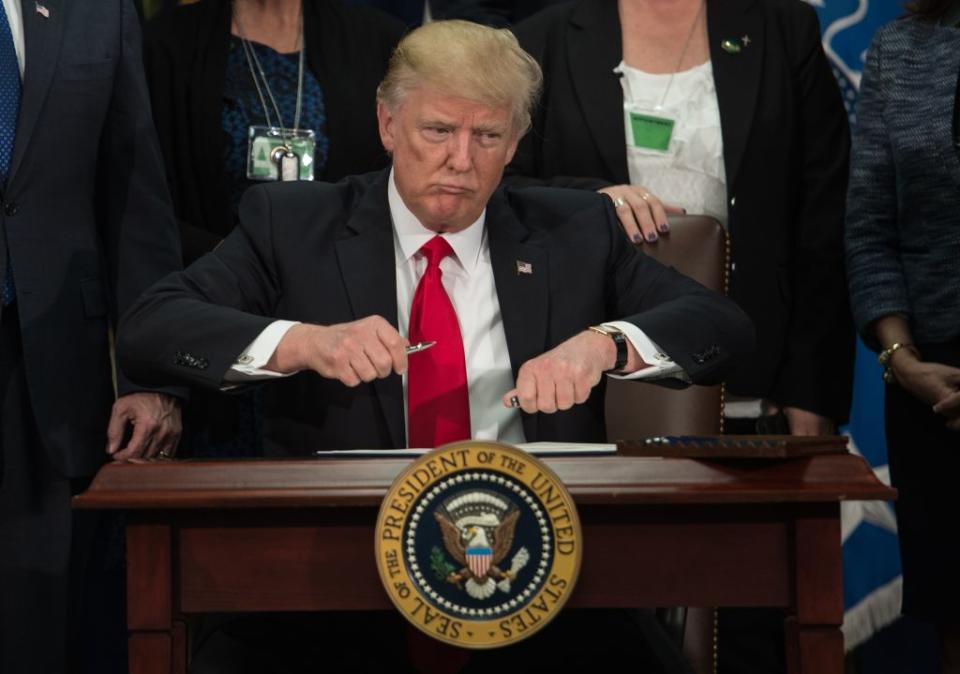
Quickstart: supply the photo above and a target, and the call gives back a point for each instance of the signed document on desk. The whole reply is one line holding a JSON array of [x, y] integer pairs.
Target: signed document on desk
[[535, 448]]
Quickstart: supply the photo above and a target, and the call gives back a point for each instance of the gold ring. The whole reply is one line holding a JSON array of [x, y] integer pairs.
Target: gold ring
[[619, 201]]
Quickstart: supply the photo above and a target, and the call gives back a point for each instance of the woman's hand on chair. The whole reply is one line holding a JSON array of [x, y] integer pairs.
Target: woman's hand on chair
[[642, 215]]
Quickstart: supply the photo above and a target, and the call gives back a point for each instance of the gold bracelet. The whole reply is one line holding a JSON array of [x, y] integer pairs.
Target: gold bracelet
[[886, 356]]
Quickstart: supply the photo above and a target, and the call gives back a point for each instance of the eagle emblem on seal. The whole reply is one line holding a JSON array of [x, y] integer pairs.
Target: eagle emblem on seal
[[477, 529]]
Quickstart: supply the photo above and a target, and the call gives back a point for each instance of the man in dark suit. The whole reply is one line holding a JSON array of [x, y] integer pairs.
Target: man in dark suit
[[86, 225], [324, 286], [497, 13], [527, 273]]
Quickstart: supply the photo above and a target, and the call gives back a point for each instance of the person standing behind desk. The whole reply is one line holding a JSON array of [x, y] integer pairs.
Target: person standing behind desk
[[221, 74], [85, 226], [411, 12], [903, 242], [217, 68], [496, 13], [726, 108], [758, 139]]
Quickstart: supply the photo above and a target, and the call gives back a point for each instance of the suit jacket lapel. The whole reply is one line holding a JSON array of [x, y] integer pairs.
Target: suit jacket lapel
[[524, 296], [591, 62], [367, 263], [42, 37], [736, 74]]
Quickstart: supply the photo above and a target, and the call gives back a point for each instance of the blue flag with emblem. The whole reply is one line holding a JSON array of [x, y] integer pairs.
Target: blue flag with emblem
[[871, 559]]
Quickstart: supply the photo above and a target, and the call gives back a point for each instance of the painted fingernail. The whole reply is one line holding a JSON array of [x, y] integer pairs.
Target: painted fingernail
[[651, 237], [637, 238], [514, 401], [664, 227]]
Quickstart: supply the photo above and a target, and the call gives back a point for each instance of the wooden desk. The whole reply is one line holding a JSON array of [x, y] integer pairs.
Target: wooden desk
[[220, 536]]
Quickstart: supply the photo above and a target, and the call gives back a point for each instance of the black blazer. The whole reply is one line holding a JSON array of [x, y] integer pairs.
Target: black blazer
[[86, 215], [325, 254], [786, 147], [185, 53]]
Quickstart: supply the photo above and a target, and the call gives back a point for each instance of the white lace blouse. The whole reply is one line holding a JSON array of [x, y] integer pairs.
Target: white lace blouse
[[690, 173]]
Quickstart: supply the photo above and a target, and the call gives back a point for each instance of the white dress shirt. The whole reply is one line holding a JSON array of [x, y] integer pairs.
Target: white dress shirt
[[15, 19], [467, 276]]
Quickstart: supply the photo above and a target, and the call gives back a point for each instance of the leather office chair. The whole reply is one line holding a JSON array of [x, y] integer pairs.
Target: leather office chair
[[696, 246]]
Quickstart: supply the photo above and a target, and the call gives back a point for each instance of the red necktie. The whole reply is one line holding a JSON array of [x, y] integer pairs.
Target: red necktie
[[438, 402]]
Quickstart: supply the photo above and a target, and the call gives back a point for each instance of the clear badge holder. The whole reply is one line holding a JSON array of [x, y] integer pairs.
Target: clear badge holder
[[274, 153]]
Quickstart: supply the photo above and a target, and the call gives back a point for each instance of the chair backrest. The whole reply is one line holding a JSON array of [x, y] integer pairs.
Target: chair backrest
[[696, 246]]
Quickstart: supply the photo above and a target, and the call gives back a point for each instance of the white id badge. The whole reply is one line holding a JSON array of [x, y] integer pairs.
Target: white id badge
[[280, 154]]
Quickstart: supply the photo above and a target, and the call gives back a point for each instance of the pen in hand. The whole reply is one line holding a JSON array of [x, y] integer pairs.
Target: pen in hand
[[419, 346]]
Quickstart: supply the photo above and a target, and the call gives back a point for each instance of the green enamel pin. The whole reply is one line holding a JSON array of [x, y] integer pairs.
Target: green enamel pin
[[731, 46]]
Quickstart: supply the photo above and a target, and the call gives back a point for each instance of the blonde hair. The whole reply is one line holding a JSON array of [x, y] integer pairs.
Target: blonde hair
[[465, 59]]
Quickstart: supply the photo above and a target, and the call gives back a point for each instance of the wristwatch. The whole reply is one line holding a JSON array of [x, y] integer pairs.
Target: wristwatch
[[620, 340]]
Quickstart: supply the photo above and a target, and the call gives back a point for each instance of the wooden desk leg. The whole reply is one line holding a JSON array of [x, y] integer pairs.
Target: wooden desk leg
[[813, 649], [157, 643], [150, 653], [813, 638]]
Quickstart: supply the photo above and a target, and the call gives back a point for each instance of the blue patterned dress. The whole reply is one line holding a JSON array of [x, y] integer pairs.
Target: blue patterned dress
[[242, 107]]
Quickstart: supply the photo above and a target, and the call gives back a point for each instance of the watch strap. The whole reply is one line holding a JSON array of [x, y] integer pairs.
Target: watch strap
[[620, 340]]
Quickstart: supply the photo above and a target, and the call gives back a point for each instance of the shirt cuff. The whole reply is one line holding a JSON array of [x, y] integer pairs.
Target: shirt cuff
[[661, 365], [249, 364]]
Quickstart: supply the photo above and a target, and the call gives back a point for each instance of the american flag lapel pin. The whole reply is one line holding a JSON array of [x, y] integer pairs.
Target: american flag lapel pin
[[42, 10], [524, 267]]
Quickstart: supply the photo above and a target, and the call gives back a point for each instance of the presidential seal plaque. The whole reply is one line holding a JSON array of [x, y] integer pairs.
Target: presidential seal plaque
[[478, 544]]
